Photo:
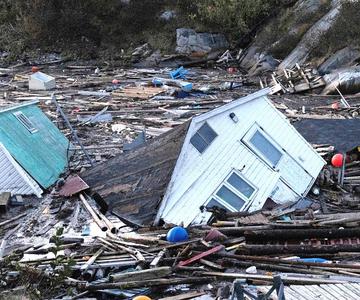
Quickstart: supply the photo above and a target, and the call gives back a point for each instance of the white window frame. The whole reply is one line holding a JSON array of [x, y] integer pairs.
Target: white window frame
[[247, 141], [246, 199], [20, 116]]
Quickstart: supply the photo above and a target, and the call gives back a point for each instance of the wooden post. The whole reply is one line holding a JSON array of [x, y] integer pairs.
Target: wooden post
[[101, 224]]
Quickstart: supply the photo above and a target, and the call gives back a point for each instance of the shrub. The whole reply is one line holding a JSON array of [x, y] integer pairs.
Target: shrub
[[57, 23], [235, 18]]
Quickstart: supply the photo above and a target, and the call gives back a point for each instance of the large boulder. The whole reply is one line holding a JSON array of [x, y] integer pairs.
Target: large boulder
[[189, 41]]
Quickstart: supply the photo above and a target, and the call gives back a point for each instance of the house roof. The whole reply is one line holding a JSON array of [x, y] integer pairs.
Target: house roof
[[42, 153], [133, 184], [17, 106], [343, 134]]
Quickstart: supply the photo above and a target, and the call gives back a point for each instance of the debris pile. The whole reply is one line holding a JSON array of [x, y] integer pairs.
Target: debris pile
[[297, 80], [298, 242], [68, 245]]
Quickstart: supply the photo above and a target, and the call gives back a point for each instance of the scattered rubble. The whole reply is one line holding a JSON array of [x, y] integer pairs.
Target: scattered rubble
[[69, 246]]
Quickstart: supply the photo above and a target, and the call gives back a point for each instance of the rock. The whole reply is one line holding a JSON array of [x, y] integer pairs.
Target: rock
[[142, 51], [341, 59], [189, 41], [152, 61], [251, 270], [168, 15], [256, 62], [311, 39]]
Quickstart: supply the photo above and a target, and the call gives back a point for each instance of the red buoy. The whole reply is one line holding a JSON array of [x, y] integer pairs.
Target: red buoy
[[335, 105], [35, 69], [337, 160]]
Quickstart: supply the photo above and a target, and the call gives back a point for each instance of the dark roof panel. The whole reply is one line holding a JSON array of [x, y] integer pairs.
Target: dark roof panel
[[343, 134], [133, 184]]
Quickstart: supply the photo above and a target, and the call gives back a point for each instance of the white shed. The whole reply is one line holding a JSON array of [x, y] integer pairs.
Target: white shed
[[13, 178], [41, 81], [236, 157]]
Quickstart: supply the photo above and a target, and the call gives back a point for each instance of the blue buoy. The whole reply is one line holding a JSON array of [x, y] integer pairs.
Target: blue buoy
[[177, 234]]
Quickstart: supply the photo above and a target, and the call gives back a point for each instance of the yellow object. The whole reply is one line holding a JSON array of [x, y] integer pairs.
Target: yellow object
[[142, 298]]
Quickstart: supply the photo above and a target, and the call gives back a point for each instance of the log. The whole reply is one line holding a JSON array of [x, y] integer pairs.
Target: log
[[91, 260], [288, 279], [107, 222], [136, 253], [12, 219], [273, 267], [95, 217], [241, 229], [298, 234], [295, 249], [141, 275], [287, 262], [149, 283]]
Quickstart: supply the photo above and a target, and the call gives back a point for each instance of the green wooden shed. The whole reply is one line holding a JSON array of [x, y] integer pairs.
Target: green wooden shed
[[36, 144]]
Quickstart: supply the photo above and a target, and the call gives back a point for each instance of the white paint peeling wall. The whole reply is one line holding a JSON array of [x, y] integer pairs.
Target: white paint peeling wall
[[197, 176], [13, 178]]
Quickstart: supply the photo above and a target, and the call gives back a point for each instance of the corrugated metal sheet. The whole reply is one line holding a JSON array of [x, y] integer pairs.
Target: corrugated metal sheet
[[197, 176], [43, 154], [13, 178]]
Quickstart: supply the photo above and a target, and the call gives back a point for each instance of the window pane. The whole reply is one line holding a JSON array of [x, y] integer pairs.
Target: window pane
[[198, 142], [266, 148], [241, 185], [228, 196], [207, 133], [214, 203]]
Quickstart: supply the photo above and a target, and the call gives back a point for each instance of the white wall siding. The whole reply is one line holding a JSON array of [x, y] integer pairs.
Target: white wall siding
[[13, 178], [197, 176]]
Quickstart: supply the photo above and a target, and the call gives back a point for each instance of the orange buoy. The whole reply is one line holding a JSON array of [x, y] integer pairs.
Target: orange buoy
[[142, 298]]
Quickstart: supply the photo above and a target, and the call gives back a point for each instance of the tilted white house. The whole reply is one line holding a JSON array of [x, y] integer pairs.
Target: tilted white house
[[237, 156], [234, 157]]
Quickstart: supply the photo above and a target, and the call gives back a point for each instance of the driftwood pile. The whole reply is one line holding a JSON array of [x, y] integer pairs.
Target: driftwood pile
[[300, 242]]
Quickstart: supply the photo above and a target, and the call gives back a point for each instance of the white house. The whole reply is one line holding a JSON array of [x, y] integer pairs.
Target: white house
[[234, 157], [237, 156]]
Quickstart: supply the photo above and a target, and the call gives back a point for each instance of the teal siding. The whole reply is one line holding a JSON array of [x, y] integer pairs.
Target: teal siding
[[42, 154]]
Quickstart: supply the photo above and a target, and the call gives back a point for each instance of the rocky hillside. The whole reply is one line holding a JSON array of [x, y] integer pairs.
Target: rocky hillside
[[322, 32], [273, 34]]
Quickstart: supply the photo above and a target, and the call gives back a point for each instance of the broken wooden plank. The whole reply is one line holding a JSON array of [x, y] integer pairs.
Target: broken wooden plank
[[201, 255]]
